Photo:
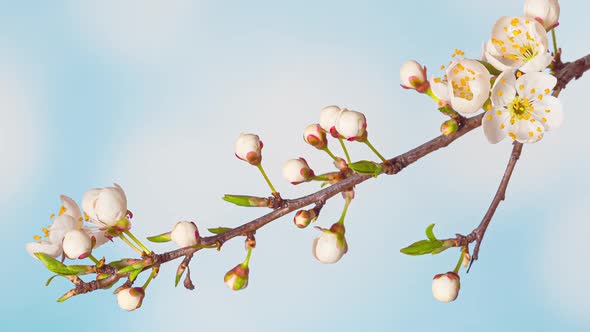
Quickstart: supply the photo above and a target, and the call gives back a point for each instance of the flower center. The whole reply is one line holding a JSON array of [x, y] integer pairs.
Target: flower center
[[520, 108]]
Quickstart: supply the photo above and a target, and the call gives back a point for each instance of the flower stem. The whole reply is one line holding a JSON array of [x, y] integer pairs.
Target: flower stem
[[129, 243], [343, 215], [456, 270], [92, 258], [247, 260], [374, 150], [149, 279], [345, 150], [330, 153], [266, 178], [432, 95], [554, 41], [136, 240]]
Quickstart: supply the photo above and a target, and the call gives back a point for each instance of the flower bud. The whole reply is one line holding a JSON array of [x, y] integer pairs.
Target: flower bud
[[413, 76], [304, 217], [130, 298], [341, 164], [297, 171], [328, 117], [248, 148], [314, 136], [351, 125], [106, 206], [448, 127], [185, 234], [331, 245], [445, 287], [544, 11], [77, 244], [237, 278]]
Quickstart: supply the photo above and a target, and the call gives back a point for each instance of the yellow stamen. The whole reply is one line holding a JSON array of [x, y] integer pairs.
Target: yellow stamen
[[37, 238], [62, 210]]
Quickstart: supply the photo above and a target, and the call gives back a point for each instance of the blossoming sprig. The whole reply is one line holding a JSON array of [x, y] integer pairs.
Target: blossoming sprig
[[248, 148]]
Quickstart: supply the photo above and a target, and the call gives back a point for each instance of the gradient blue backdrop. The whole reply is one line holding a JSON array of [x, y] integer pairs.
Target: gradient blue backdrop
[[152, 94]]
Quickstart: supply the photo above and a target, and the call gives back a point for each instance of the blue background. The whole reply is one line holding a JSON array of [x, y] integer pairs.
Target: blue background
[[153, 94]]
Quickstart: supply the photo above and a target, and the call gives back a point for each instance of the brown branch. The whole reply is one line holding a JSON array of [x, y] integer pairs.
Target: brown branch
[[565, 72]]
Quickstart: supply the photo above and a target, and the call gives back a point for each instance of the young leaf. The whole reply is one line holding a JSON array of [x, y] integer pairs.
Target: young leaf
[[219, 230], [133, 275], [164, 237], [366, 167], [244, 200], [132, 268], [53, 264], [421, 247], [430, 233]]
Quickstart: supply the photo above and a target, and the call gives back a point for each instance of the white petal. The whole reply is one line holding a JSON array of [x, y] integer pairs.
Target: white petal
[[494, 125], [110, 206], [72, 208], [504, 89], [526, 131], [531, 85], [501, 63], [549, 113], [47, 248], [538, 63], [89, 201], [440, 89], [61, 225], [326, 249]]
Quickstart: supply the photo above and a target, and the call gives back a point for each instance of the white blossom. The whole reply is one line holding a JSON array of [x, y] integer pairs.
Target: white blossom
[[297, 171], [328, 117], [106, 207], [314, 136], [351, 125], [445, 287], [77, 244], [185, 234], [413, 76], [522, 108], [330, 246], [545, 12], [248, 147], [130, 298]]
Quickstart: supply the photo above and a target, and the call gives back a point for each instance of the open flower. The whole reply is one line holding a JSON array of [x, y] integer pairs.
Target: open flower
[[545, 12], [107, 207], [130, 298], [328, 117], [297, 171], [445, 287], [413, 76], [352, 125], [518, 43], [522, 108], [466, 85], [331, 245], [185, 234], [77, 244], [248, 148]]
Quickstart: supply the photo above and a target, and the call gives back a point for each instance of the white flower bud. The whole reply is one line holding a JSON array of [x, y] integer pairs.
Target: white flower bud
[[328, 117], [544, 11], [249, 148], [77, 244], [351, 125], [130, 298], [330, 246], [185, 234], [237, 278], [106, 206], [297, 171], [413, 76], [314, 136], [445, 287]]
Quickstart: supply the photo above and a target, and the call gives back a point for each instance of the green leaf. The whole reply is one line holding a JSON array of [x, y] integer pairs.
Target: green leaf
[[219, 230], [164, 237], [51, 279], [439, 250], [366, 167], [179, 272], [133, 275], [490, 68], [422, 247], [123, 263], [132, 268], [430, 233], [247, 201]]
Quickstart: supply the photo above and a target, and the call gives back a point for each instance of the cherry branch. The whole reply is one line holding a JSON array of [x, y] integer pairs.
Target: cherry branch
[[565, 72]]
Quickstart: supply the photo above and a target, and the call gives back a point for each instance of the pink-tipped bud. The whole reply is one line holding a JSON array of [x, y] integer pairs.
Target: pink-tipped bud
[[297, 171], [413, 76], [352, 125], [445, 287], [328, 117], [77, 244], [304, 217], [237, 278], [130, 298], [185, 234], [248, 147], [544, 11], [315, 136]]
